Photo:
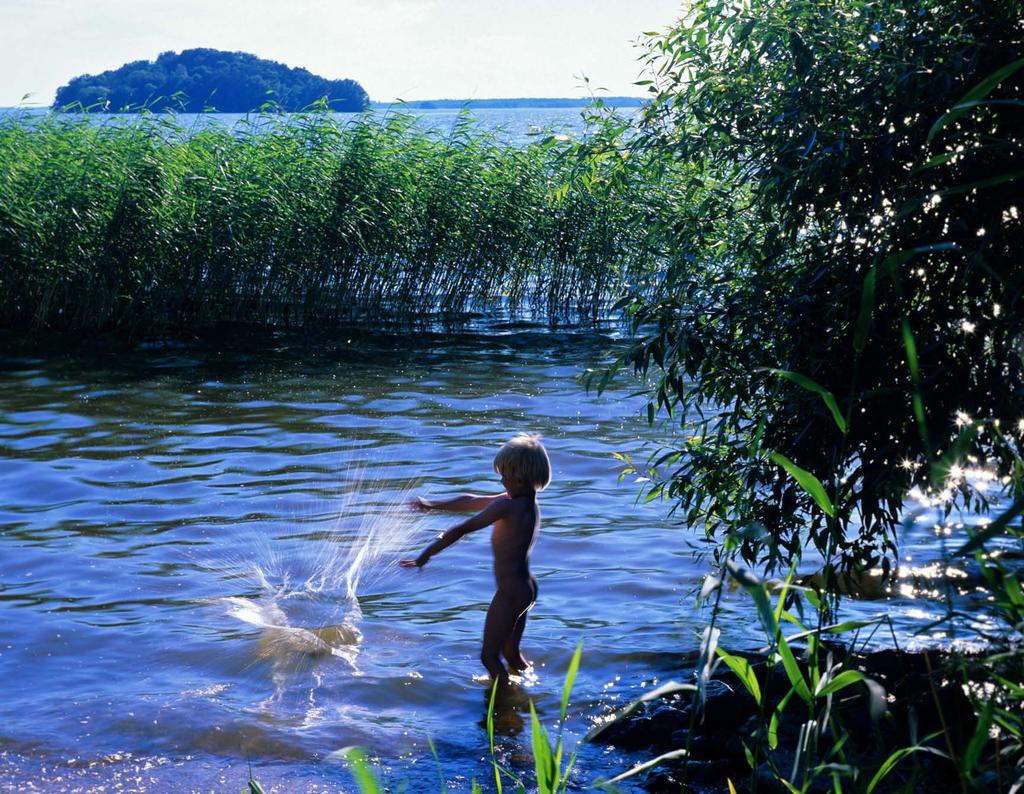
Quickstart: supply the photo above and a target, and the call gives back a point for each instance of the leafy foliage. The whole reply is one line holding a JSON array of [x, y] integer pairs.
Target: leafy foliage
[[844, 291], [203, 78]]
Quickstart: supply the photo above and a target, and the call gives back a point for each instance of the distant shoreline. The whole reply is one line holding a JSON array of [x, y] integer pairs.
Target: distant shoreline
[[540, 103], [518, 102]]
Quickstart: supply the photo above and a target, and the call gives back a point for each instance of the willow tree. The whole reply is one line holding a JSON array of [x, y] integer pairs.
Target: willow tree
[[842, 318]]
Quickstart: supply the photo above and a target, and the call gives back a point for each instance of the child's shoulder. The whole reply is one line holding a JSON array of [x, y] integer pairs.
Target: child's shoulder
[[522, 500]]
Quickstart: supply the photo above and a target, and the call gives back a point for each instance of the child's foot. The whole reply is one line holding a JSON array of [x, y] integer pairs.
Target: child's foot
[[519, 664]]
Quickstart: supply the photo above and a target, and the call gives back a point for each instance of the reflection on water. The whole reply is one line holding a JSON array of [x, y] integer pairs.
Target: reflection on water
[[198, 548]]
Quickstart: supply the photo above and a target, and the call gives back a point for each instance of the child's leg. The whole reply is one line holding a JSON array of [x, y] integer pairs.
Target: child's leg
[[511, 645], [501, 619]]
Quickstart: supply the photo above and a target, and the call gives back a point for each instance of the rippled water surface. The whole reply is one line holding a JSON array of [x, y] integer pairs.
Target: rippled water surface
[[515, 126], [198, 553]]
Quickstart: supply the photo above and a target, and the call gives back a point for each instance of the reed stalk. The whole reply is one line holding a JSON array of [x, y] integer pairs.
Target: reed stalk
[[142, 226]]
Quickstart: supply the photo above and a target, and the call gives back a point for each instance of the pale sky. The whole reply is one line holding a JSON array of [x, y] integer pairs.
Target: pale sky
[[397, 49]]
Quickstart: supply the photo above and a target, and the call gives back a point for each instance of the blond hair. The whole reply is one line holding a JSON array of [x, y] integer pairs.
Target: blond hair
[[525, 458]]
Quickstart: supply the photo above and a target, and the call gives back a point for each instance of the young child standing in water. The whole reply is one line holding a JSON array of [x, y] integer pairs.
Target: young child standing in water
[[524, 469]]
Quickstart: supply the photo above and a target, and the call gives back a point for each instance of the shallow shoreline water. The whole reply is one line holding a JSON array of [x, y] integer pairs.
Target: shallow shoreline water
[[179, 524]]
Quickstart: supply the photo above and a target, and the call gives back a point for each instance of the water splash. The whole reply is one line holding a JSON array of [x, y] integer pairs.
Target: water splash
[[302, 590]]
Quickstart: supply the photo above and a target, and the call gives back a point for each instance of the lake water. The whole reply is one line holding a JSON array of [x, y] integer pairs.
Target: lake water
[[198, 551], [515, 126]]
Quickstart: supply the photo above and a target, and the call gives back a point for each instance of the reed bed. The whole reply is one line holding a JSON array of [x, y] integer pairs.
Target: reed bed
[[140, 226]]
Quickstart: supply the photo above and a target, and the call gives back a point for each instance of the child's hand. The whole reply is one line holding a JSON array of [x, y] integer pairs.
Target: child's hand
[[419, 504], [419, 562]]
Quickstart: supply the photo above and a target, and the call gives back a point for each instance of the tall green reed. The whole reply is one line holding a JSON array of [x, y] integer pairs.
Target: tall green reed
[[143, 226], [552, 775]]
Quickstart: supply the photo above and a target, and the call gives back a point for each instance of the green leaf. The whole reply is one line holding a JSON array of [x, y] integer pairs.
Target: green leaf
[[981, 184], [543, 761], [793, 673], [1013, 688], [757, 590], [811, 484], [773, 723], [490, 737], [910, 346], [891, 264], [744, 671], [827, 397], [780, 602], [773, 729], [668, 688], [643, 767], [981, 90], [993, 529], [255, 787], [937, 160], [1012, 590], [834, 628], [437, 761], [360, 767], [570, 678], [654, 493], [895, 758], [867, 307], [979, 738], [844, 679]]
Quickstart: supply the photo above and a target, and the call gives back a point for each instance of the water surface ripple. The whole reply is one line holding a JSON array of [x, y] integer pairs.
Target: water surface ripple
[[198, 546]]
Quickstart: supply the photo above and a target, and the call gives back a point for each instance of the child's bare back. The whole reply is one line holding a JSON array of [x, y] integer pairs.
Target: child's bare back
[[525, 470]]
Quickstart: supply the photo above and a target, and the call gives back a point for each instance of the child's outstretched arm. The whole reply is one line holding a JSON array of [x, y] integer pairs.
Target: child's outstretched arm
[[497, 508], [463, 503]]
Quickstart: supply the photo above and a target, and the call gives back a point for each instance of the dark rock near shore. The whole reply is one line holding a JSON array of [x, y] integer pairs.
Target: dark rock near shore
[[913, 697]]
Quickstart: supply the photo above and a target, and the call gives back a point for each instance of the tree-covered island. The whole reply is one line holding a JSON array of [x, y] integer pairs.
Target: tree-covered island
[[202, 78]]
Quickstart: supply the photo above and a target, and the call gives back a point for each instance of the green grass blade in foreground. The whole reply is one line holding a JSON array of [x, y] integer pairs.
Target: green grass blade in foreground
[[437, 761], [891, 762], [979, 738], [668, 688], [793, 672], [543, 759], [360, 767], [644, 766], [744, 672], [827, 397], [755, 586], [836, 628], [811, 484], [490, 737], [570, 679], [830, 685]]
